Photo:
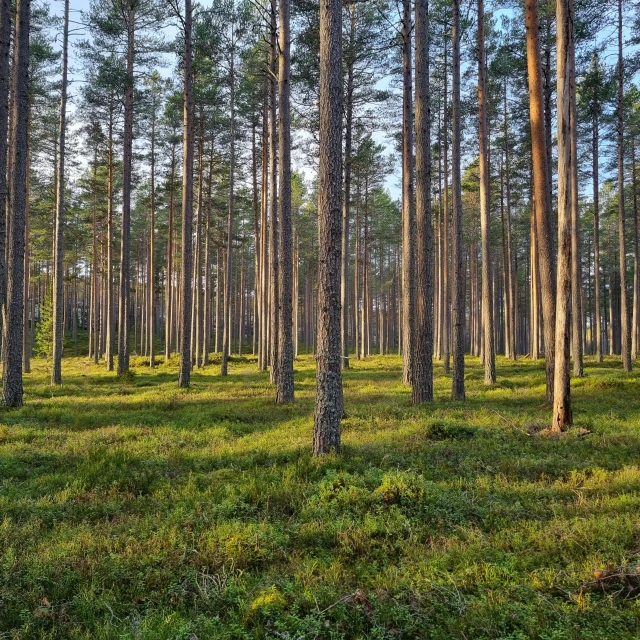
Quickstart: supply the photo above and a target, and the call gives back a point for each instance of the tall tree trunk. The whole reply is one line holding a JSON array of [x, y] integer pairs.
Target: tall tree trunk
[[219, 285], [513, 276], [58, 275], [5, 45], [125, 278], [274, 254], [26, 334], [636, 283], [206, 334], [576, 267], [457, 254], [423, 354], [226, 336], [344, 275], [240, 301], [329, 400], [541, 200], [561, 417], [169, 295], [624, 314], [109, 306], [257, 310], [197, 319], [17, 202], [264, 233], [506, 272], [187, 205], [439, 250], [485, 221], [445, 326], [93, 320], [356, 275], [284, 381], [152, 242], [408, 203]]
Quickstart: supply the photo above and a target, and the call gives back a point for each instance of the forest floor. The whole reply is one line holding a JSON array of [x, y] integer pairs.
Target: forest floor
[[131, 509]]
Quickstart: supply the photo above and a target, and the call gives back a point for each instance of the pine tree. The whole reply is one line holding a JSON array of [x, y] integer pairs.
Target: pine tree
[[329, 407]]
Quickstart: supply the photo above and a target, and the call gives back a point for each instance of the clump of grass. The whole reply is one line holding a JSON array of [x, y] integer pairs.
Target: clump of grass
[[131, 509]]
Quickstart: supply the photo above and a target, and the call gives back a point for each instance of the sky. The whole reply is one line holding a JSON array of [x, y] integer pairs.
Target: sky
[[393, 180]]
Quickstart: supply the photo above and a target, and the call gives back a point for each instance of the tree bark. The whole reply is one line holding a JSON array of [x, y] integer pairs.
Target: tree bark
[[458, 312], [423, 354], [257, 310], [26, 335], [226, 336], [125, 278], [206, 334], [196, 304], [445, 326], [511, 296], [624, 314], [5, 45], [576, 268], [636, 282], [274, 254], [169, 288], [541, 200], [408, 203], [184, 379], [264, 229], [152, 241], [344, 276], [284, 381], [94, 348], [17, 201], [485, 221], [329, 401], [58, 244], [109, 333], [561, 417]]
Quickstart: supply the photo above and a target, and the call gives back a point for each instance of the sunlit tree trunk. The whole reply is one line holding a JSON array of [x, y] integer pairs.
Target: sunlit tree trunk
[[636, 283], [408, 203], [264, 233], [26, 334], [94, 348], [576, 268], [485, 222], [284, 381], [169, 294], [58, 242], [257, 230], [125, 278], [329, 408], [457, 312], [344, 276], [423, 355], [184, 378], [17, 202], [152, 243], [624, 314], [541, 201], [109, 306], [561, 417], [445, 326], [206, 334], [196, 305], [226, 336], [274, 254], [5, 45]]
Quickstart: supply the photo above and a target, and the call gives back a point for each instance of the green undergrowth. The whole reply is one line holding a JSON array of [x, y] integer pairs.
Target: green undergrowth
[[132, 509]]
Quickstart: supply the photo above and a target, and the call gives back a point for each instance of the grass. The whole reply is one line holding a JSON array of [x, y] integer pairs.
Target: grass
[[131, 509]]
